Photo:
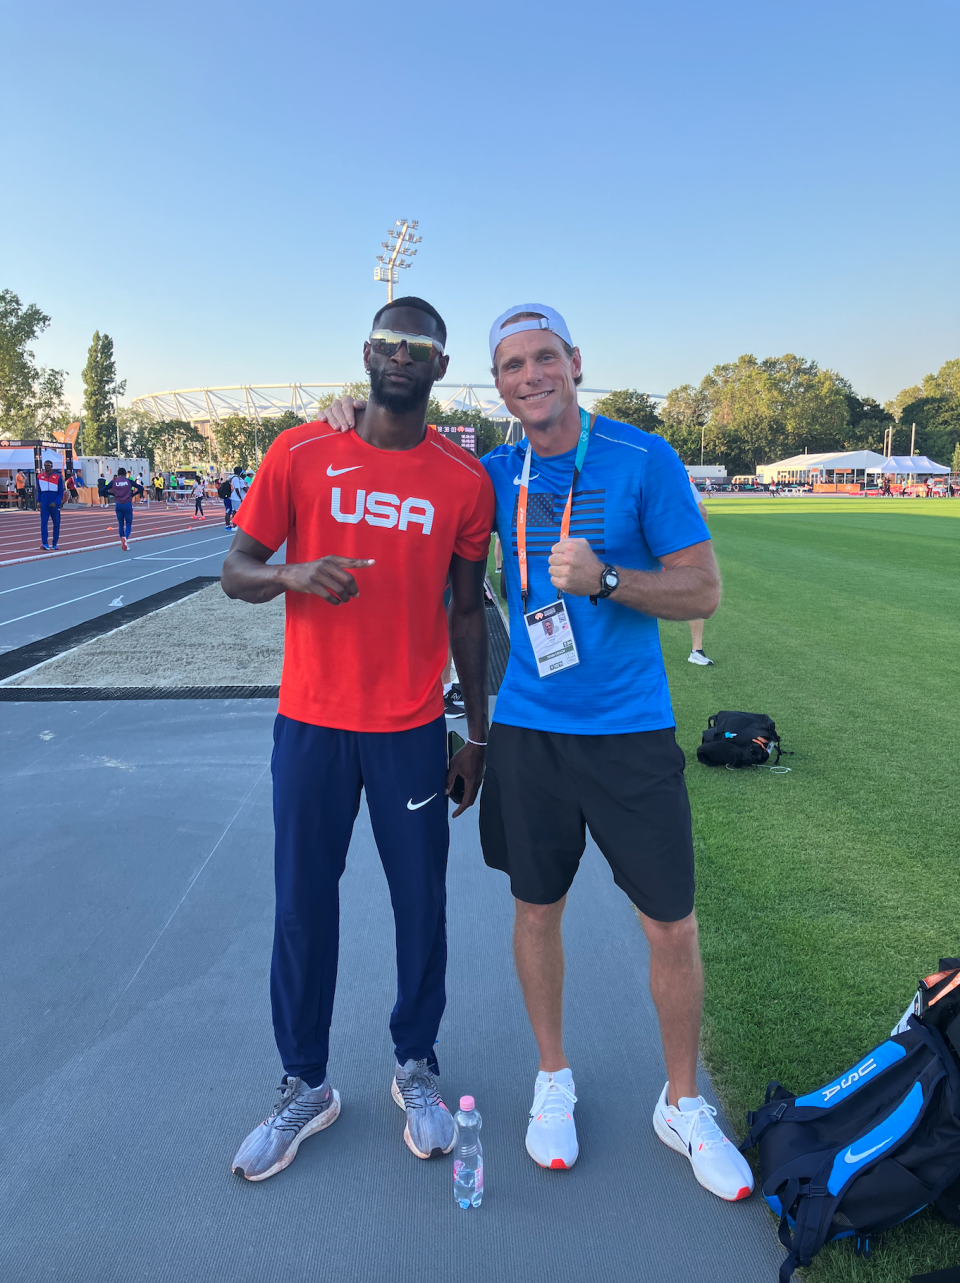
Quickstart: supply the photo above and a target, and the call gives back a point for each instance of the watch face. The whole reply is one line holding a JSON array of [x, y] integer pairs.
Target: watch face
[[610, 579]]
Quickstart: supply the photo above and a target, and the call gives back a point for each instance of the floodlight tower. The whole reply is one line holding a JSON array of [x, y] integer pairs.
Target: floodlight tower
[[399, 251]]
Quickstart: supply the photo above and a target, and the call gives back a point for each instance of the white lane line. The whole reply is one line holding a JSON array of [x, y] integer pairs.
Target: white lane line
[[136, 579], [105, 565], [189, 888]]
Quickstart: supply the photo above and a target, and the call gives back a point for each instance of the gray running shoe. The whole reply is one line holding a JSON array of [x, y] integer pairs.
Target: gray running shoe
[[430, 1126], [299, 1112]]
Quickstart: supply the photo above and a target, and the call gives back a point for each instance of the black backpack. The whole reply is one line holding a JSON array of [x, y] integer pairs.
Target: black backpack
[[224, 490], [739, 739], [875, 1146]]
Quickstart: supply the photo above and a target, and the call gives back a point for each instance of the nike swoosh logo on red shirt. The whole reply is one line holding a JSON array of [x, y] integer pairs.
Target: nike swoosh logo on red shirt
[[335, 472]]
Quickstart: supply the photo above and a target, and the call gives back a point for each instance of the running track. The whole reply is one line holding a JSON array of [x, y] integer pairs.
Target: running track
[[91, 528], [91, 574]]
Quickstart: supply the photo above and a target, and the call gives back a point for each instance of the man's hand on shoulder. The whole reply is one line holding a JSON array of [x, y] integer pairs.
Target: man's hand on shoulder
[[575, 568], [329, 578], [342, 414]]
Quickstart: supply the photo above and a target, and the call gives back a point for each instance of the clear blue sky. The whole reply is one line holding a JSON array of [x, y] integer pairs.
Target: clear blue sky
[[209, 182]]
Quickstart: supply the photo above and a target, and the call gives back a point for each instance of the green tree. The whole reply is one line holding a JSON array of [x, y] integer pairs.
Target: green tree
[[140, 437], [684, 416], [627, 405], [955, 461], [236, 438], [938, 426], [178, 444], [867, 421], [945, 383], [31, 396], [751, 412], [101, 389]]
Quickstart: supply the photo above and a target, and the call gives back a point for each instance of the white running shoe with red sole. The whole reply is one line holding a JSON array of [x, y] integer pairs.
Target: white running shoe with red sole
[[717, 1164], [552, 1133]]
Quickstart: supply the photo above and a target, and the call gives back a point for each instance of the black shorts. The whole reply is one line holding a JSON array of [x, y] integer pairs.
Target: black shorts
[[542, 789]]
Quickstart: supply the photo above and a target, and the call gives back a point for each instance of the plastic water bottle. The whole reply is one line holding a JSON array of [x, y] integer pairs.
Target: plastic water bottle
[[468, 1156]]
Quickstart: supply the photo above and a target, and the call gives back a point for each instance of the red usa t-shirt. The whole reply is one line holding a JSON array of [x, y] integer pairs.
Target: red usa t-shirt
[[373, 664]]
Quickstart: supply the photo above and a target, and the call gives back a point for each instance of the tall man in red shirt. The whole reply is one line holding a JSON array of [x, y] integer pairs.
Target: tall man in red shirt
[[361, 707]]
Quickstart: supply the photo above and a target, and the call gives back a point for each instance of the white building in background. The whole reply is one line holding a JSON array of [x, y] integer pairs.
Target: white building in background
[[837, 467]]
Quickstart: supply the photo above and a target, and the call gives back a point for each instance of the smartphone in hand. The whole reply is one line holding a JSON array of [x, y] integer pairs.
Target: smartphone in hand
[[454, 745]]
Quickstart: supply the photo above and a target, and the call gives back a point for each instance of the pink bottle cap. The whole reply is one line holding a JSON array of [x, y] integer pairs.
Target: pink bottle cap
[[467, 1103]]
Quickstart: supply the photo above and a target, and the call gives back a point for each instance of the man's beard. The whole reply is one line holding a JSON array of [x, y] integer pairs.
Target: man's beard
[[393, 399]]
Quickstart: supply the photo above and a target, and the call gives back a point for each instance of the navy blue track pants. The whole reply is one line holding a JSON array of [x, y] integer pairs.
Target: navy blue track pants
[[318, 775], [49, 508], [124, 513]]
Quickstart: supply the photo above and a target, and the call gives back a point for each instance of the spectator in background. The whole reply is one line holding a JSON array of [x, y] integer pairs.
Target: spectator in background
[[158, 487], [696, 655], [102, 490], [21, 484], [71, 485], [197, 493], [238, 488], [225, 492]]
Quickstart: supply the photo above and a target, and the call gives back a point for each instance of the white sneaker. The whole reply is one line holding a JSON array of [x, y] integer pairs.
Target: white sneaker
[[717, 1164], [552, 1133], [698, 657]]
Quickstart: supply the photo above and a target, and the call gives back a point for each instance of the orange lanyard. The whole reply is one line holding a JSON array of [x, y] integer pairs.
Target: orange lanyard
[[582, 443]]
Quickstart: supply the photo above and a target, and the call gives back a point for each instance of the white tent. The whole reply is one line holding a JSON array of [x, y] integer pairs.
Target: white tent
[[13, 457], [913, 465], [801, 467]]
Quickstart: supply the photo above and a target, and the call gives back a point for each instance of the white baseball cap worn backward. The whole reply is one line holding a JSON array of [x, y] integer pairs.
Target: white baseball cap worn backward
[[546, 318]]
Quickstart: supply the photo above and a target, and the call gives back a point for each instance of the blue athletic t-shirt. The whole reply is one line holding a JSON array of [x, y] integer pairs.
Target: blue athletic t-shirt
[[634, 503]]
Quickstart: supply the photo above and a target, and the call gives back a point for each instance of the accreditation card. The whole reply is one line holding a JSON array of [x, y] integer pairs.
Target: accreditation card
[[551, 637]]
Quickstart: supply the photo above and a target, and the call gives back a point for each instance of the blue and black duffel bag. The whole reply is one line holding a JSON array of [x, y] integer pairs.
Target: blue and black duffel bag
[[875, 1146]]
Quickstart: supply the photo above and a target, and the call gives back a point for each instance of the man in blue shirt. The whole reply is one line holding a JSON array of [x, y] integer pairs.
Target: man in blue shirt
[[601, 537], [583, 733]]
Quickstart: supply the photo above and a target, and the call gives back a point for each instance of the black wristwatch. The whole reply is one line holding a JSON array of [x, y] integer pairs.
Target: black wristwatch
[[609, 582]]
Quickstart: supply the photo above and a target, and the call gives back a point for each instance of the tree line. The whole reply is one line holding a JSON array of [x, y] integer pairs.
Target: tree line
[[750, 412], [743, 413]]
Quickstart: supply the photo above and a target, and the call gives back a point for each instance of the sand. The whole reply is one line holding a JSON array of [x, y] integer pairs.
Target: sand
[[202, 640]]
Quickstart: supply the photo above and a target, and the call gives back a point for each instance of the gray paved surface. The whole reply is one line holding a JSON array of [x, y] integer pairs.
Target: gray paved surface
[[137, 1051], [42, 597]]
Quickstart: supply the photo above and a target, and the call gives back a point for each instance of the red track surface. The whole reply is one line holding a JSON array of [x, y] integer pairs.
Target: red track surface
[[87, 528]]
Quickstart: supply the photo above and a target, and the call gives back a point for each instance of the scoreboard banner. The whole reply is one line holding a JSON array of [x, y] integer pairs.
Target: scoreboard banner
[[465, 435]]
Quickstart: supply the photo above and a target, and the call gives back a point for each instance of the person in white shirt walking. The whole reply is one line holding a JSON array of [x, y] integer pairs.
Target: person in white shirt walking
[[197, 493], [696, 655], [238, 488]]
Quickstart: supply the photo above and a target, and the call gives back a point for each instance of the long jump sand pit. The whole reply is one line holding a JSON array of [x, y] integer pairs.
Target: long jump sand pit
[[202, 640]]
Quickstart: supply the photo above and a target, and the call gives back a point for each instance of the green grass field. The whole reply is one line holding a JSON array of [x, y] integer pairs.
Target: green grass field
[[825, 893]]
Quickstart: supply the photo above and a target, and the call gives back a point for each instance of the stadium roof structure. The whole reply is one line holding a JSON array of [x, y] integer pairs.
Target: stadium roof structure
[[267, 400]]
